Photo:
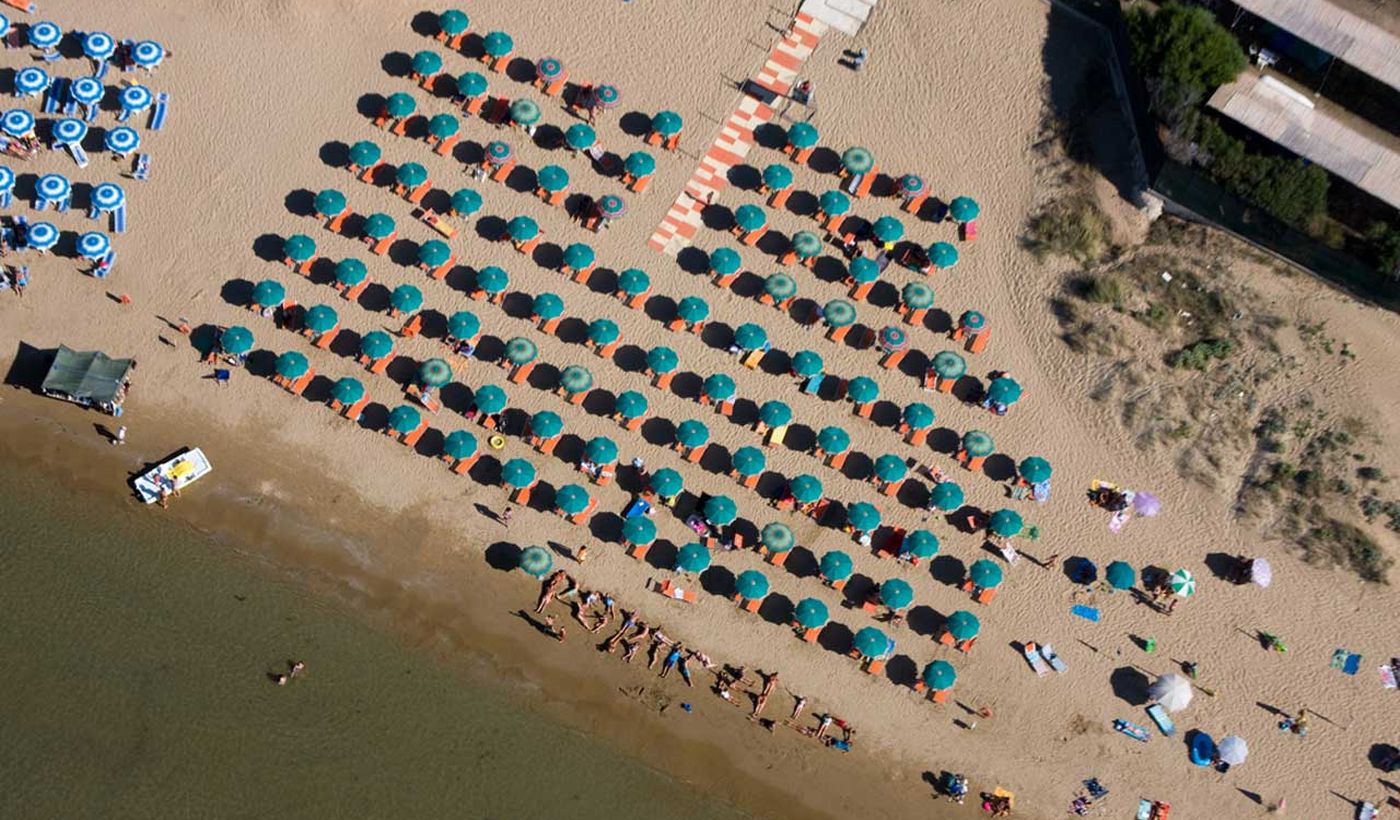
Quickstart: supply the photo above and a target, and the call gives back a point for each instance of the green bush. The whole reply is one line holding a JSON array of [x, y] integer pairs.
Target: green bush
[[1073, 227], [1181, 51], [1289, 189], [1198, 356]]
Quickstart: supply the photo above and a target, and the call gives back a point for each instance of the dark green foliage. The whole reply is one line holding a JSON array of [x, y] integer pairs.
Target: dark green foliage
[[1198, 356], [1182, 51], [1290, 189]]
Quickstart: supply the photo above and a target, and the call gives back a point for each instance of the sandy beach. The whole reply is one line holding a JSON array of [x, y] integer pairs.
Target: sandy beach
[[265, 95]]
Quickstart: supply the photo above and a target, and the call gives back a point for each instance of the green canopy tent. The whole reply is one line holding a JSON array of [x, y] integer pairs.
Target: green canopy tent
[[91, 378]]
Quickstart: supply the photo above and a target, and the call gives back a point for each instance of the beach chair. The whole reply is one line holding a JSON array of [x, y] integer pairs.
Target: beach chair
[[324, 340], [298, 386], [350, 294], [874, 666], [463, 465], [102, 268], [1032, 654], [77, 153], [776, 436], [437, 223], [1162, 719], [429, 403], [639, 551], [581, 517], [141, 167], [119, 220], [158, 111], [1048, 653], [378, 366], [1132, 730], [54, 95], [670, 590], [502, 171], [752, 359], [410, 439], [969, 231], [985, 596], [747, 604]]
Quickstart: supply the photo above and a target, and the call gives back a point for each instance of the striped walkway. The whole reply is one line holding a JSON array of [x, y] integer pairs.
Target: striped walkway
[[735, 138]]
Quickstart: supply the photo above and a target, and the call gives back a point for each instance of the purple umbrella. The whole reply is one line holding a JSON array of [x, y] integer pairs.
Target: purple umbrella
[[1146, 504]]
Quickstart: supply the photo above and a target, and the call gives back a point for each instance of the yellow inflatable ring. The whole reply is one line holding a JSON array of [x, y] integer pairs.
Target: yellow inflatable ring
[[496, 442]]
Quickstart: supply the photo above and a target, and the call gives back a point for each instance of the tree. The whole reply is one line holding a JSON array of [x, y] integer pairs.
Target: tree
[[1182, 51]]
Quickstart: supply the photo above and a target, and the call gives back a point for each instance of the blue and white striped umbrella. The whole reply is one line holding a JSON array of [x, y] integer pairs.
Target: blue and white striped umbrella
[[147, 53], [44, 35], [122, 140], [108, 196], [69, 130], [87, 90], [17, 123], [53, 187], [7, 179], [41, 236], [98, 45], [30, 81], [94, 245], [135, 98], [4, 25]]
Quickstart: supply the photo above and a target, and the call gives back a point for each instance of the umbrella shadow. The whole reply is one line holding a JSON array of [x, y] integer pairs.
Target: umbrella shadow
[[548, 256], [774, 243], [396, 64], [836, 637], [369, 106], [268, 247], [771, 136], [829, 269], [658, 431], [335, 153], [634, 124], [501, 555], [776, 609], [548, 137], [716, 218], [924, 620], [1129, 685], [238, 292], [686, 385], [521, 70], [424, 24], [944, 440], [857, 590], [261, 363], [662, 554], [938, 321], [745, 177], [747, 285], [824, 160], [606, 527], [1221, 565], [802, 203], [901, 670], [999, 467], [692, 260], [947, 570], [802, 563], [718, 581], [913, 494], [660, 309]]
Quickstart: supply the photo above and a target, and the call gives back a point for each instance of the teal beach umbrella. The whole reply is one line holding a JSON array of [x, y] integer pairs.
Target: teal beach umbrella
[[692, 433], [720, 510], [918, 416], [518, 473], [725, 261], [863, 516], [775, 413], [600, 450], [896, 593], [463, 325], [807, 363], [749, 461], [946, 496], [459, 444], [719, 387], [964, 209], [630, 404], [751, 585], [863, 390], [983, 573], [857, 160], [350, 272], [404, 419], [236, 340], [546, 424], [833, 440], [805, 489], [639, 530], [547, 306], [1035, 470], [921, 544], [978, 444], [292, 365], [571, 499], [963, 625], [434, 373], [836, 566], [667, 482], [891, 468], [490, 399], [1120, 575], [870, 642], [940, 676], [1005, 523], [662, 360], [692, 558], [347, 390], [811, 613], [376, 344], [269, 293], [536, 561], [777, 537]]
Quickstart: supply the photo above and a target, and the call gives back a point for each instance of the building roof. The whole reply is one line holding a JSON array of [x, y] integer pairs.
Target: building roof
[[1370, 47], [1363, 156]]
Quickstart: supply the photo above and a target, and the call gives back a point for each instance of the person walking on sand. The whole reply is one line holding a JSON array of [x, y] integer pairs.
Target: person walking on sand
[[581, 554], [120, 437], [506, 515], [798, 704], [553, 630], [548, 588]]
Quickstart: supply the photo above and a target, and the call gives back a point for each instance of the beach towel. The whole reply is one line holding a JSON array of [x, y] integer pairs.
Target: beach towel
[[1088, 613], [1132, 730], [1031, 651], [1048, 653], [1352, 665], [1339, 657], [1162, 719], [1115, 524], [1387, 677]]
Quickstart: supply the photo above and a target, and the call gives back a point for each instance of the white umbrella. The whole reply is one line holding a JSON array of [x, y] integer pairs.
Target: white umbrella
[[1232, 750], [1172, 691], [1260, 572]]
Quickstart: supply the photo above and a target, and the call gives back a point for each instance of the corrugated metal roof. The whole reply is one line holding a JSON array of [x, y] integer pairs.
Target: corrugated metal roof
[[846, 16], [1352, 39]]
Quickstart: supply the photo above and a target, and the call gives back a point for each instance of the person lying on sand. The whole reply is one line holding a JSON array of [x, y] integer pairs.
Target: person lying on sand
[[761, 701], [629, 621], [548, 588]]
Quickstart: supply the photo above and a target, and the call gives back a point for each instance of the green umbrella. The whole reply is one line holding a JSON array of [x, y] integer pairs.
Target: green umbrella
[[777, 176], [777, 537], [1003, 390], [750, 217], [365, 153], [639, 530], [522, 229], [946, 496], [666, 123], [347, 390], [917, 296], [492, 279], [536, 561], [749, 461], [940, 676], [836, 566], [892, 338], [547, 306], [639, 164], [603, 331], [691, 433], [434, 253], [580, 137], [863, 390], [471, 84], [719, 387], [299, 247], [575, 379], [896, 593], [1005, 523], [236, 340], [1035, 470], [887, 229], [520, 351], [490, 399], [443, 126], [546, 424], [579, 256], [720, 510], [805, 489], [662, 360], [921, 544], [833, 440], [751, 585], [667, 482], [410, 175], [379, 226], [725, 261], [600, 450], [949, 365], [1182, 583], [839, 313], [870, 642], [984, 574], [807, 363], [692, 309], [964, 209], [406, 298], [911, 184], [518, 473], [918, 416], [963, 625], [863, 516], [973, 319], [463, 325], [330, 202], [376, 344], [292, 365], [524, 112], [630, 404], [810, 614], [269, 293], [834, 203], [750, 336], [497, 44], [774, 413], [498, 152], [1120, 575], [890, 468], [806, 244], [453, 22], [404, 419], [692, 558], [780, 287], [803, 135], [857, 160], [350, 272], [320, 319], [633, 282], [400, 105], [978, 444], [466, 201], [427, 62], [571, 499], [943, 254], [864, 270], [459, 444]]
